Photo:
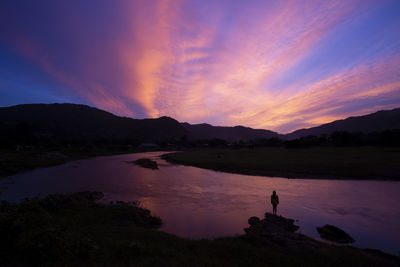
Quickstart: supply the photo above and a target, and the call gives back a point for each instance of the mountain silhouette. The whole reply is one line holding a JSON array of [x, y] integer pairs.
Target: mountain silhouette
[[374, 122], [230, 134], [81, 122], [84, 123]]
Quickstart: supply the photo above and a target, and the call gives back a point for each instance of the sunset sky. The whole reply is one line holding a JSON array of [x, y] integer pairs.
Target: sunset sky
[[278, 65]]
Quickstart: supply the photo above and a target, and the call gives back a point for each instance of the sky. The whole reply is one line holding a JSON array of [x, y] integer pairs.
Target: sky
[[277, 65]]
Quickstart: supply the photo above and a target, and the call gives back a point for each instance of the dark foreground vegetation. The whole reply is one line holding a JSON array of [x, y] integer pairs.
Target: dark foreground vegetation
[[74, 230], [378, 163]]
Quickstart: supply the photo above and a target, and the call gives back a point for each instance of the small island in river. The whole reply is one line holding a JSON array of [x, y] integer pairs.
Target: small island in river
[[146, 163]]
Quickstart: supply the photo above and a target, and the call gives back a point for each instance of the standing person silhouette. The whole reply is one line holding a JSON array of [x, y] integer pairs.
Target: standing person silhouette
[[274, 201]]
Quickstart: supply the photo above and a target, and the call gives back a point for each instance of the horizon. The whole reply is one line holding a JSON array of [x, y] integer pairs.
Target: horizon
[[280, 133], [279, 66]]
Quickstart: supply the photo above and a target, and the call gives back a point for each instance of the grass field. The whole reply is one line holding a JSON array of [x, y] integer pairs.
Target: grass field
[[68, 230], [322, 162]]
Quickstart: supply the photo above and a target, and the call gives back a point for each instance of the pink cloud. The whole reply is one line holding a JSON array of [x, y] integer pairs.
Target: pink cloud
[[218, 63]]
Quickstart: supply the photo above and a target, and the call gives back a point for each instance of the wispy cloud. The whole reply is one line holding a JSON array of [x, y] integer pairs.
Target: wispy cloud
[[262, 64]]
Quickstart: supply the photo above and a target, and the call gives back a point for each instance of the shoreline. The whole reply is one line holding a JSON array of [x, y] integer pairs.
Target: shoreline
[[204, 159], [283, 175], [12, 162], [127, 235]]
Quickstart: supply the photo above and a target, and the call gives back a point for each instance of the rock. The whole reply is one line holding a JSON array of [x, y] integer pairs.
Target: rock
[[332, 233], [277, 230], [281, 222], [146, 163], [254, 220]]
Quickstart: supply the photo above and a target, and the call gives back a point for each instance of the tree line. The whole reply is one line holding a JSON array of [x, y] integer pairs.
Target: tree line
[[23, 135]]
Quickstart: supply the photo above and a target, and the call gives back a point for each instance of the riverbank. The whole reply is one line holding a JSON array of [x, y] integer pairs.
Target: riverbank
[[13, 162], [67, 230], [359, 163]]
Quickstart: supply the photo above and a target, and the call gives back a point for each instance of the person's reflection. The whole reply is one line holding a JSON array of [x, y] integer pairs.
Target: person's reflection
[[274, 202]]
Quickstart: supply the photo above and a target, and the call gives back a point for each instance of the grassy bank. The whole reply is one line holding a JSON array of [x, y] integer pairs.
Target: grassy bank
[[319, 163], [12, 162], [72, 230]]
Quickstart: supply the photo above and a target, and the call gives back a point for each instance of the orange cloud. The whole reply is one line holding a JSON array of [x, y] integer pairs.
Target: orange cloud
[[319, 102], [219, 63]]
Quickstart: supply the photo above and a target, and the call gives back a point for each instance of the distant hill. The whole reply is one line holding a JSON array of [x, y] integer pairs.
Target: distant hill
[[374, 122], [237, 133], [65, 122], [81, 122]]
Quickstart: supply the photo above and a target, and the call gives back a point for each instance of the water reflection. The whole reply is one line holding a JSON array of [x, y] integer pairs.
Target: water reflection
[[199, 203]]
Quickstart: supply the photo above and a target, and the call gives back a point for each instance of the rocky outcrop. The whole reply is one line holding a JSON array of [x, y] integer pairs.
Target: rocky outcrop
[[254, 220], [332, 233], [278, 230]]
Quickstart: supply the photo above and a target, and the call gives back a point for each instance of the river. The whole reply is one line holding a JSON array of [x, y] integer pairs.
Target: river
[[200, 203]]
